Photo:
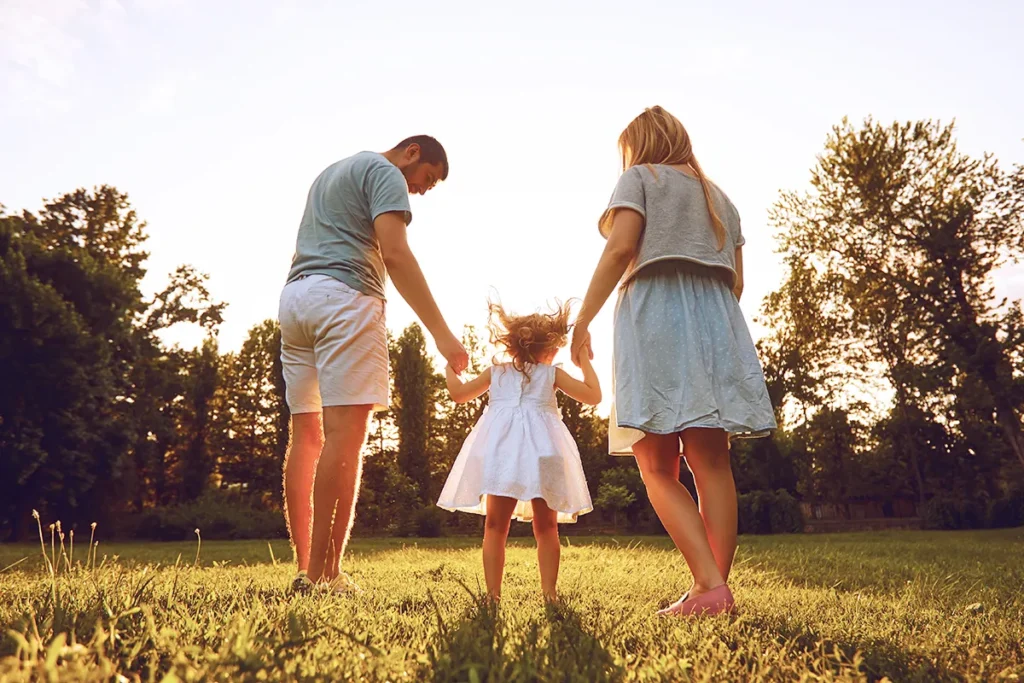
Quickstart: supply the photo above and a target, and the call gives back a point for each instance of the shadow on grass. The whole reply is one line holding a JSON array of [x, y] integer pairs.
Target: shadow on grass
[[556, 647], [877, 659]]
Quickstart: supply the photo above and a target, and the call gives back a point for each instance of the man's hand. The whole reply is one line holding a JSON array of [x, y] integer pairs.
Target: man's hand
[[453, 351]]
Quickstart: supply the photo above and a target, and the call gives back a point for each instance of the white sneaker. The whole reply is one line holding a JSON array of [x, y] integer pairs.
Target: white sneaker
[[344, 585], [301, 583]]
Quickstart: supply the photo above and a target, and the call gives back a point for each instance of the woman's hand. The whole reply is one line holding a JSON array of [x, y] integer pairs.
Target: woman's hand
[[581, 343]]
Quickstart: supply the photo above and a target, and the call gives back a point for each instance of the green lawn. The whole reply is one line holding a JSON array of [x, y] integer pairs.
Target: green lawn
[[904, 605]]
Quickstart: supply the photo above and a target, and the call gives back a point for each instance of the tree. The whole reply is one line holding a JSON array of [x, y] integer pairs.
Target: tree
[[159, 381], [76, 266], [196, 461], [416, 393], [627, 478], [808, 332], [52, 441], [74, 317], [914, 230], [767, 464], [613, 498], [251, 414], [833, 442], [385, 494]]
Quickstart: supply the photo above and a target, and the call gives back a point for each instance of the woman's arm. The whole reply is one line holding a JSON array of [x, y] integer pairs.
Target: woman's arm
[[463, 392], [737, 288], [627, 227]]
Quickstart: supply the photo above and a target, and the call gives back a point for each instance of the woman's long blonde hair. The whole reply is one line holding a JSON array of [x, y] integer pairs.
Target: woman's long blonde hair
[[657, 137]]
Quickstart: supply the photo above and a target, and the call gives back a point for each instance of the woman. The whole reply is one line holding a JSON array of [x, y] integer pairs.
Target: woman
[[685, 371]]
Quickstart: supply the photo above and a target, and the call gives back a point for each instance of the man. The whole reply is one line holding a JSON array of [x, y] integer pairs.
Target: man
[[334, 341]]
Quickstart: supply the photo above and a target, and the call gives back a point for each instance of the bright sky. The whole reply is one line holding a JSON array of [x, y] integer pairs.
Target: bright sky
[[215, 117]]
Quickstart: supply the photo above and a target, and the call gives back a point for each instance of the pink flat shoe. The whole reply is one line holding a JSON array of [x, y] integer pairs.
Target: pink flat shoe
[[674, 607], [715, 601]]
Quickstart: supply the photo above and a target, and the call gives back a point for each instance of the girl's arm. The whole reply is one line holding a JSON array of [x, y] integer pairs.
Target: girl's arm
[[588, 391], [738, 287], [462, 392], [627, 227]]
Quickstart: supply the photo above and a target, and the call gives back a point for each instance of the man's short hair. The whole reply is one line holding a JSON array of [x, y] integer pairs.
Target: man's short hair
[[431, 151]]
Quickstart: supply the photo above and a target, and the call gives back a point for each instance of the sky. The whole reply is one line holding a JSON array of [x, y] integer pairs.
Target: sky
[[215, 117]]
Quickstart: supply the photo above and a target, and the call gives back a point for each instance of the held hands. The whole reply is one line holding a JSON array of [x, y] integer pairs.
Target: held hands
[[581, 344], [453, 351]]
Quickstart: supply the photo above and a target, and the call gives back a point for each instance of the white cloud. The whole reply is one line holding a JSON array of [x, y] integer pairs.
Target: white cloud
[[36, 38], [24, 95], [158, 5], [159, 97], [109, 16], [42, 42]]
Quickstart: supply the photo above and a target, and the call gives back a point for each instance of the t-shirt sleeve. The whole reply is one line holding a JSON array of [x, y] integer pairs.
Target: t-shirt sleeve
[[740, 239], [387, 191], [628, 194]]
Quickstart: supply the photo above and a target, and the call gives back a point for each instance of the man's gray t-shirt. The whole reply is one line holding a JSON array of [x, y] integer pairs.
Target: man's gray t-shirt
[[336, 235]]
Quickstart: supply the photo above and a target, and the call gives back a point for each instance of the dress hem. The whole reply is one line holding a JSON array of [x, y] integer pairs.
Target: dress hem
[[745, 434], [479, 510]]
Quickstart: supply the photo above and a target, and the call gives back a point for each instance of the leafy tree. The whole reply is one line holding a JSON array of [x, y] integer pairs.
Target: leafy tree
[[808, 332], [416, 393], [833, 441], [768, 464], [196, 461], [58, 386], [613, 498], [74, 318], [251, 414], [626, 477], [913, 230]]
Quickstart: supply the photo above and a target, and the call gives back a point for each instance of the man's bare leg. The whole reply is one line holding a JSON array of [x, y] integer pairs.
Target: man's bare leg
[[336, 486], [304, 448]]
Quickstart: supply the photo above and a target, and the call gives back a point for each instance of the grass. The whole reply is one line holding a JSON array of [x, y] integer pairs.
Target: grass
[[926, 606]]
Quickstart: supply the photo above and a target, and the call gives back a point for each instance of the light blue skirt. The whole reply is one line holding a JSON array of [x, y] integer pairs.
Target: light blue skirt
[[683, 358]]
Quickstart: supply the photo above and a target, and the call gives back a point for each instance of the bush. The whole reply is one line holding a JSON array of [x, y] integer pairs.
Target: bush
[[429, 522], [765, 512], [1006, 512], [785, 514], [383, 505], [217, 515], [627, 478], [613, 499], [951, 512]]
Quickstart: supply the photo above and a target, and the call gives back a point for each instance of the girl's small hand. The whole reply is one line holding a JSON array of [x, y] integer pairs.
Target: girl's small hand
[[580, 344]]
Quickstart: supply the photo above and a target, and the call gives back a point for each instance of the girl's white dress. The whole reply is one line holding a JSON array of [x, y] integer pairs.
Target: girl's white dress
[[520, 448]]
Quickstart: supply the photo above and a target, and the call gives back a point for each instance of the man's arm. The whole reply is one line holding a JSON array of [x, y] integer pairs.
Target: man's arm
[[405, 272]]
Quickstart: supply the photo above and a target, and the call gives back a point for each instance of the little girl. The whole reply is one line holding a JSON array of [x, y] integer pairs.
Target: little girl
[[520, 460]]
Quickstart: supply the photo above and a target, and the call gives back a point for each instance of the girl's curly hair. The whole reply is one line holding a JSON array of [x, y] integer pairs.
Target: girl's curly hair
[[528, 338]]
